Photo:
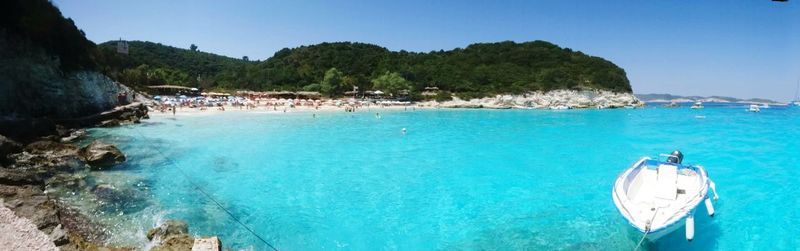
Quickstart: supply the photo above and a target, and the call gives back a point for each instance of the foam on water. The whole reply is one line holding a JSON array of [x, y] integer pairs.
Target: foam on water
[[459, 179]]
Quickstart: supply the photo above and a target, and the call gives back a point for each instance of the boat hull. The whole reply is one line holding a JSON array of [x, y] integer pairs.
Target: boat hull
[[653, 236], [678, 220]]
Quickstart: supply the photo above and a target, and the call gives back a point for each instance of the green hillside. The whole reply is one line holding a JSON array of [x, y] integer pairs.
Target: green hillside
[[152, 64], [478, 69]]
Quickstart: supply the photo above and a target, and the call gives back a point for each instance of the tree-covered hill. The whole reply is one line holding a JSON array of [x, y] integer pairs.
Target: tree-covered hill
[[150, 63], [40, 24], [478, 69]]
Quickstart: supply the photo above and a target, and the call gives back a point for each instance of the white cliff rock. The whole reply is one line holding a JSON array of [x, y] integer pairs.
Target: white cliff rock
[[558, 99]]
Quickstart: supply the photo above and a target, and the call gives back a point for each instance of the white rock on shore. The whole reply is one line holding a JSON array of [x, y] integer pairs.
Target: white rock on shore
[[558, 99], [17, 233]]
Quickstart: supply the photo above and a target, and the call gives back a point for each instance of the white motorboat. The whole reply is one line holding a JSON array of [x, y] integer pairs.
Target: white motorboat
[[754, 108], [697, 105], [658, 197]]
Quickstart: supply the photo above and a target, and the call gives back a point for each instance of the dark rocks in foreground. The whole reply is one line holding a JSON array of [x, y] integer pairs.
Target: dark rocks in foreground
[[8, 146], [31, 129], [30, 170]]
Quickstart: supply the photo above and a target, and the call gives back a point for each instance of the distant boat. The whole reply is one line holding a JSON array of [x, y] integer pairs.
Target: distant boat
[[754, 108], [697, 105], [658, 197]]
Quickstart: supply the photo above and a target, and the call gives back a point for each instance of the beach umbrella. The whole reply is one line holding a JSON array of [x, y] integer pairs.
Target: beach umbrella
[[157, 97]]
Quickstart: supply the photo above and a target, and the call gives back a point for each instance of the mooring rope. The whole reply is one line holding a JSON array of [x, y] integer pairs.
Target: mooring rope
[[208, 195], [646, 229]]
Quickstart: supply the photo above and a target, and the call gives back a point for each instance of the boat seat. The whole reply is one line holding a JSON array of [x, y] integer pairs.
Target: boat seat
[[667, 182]]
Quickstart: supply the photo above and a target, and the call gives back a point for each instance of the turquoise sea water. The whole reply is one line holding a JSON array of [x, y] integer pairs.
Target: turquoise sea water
[[459, 179]]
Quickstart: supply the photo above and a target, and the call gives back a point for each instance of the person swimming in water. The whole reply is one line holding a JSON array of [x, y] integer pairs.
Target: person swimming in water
[[403, 131]]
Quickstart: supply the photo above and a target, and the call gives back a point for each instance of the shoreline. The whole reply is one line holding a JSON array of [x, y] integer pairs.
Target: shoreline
[[53, 162]]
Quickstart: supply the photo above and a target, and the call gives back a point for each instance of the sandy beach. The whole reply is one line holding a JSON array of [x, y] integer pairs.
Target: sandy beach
[[194, 111]]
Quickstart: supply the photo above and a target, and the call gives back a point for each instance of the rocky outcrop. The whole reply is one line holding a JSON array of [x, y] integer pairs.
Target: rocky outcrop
[[8, 146], [53, 166], [20, 177], [43, 101], [168, 228], [47, 157], [29, 129], [171, 235], [34, 85], [51, 149], [121, 115], [174, 235], [74, 135], [100, 155], [558, 99], [18, 233], [31, 202]]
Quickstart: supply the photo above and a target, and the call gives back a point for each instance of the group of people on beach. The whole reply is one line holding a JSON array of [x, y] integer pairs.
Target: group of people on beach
[[174, 103]]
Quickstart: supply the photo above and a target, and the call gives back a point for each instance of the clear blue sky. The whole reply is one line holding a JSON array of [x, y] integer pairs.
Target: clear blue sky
[[736, 48]]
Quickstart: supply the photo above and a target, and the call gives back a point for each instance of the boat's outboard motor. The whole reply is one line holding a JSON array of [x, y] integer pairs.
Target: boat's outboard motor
[[676, 157]]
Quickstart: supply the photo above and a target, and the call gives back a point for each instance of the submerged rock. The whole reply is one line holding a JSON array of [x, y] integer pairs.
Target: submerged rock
[[100, 155], [113, 199], [66, 181]]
